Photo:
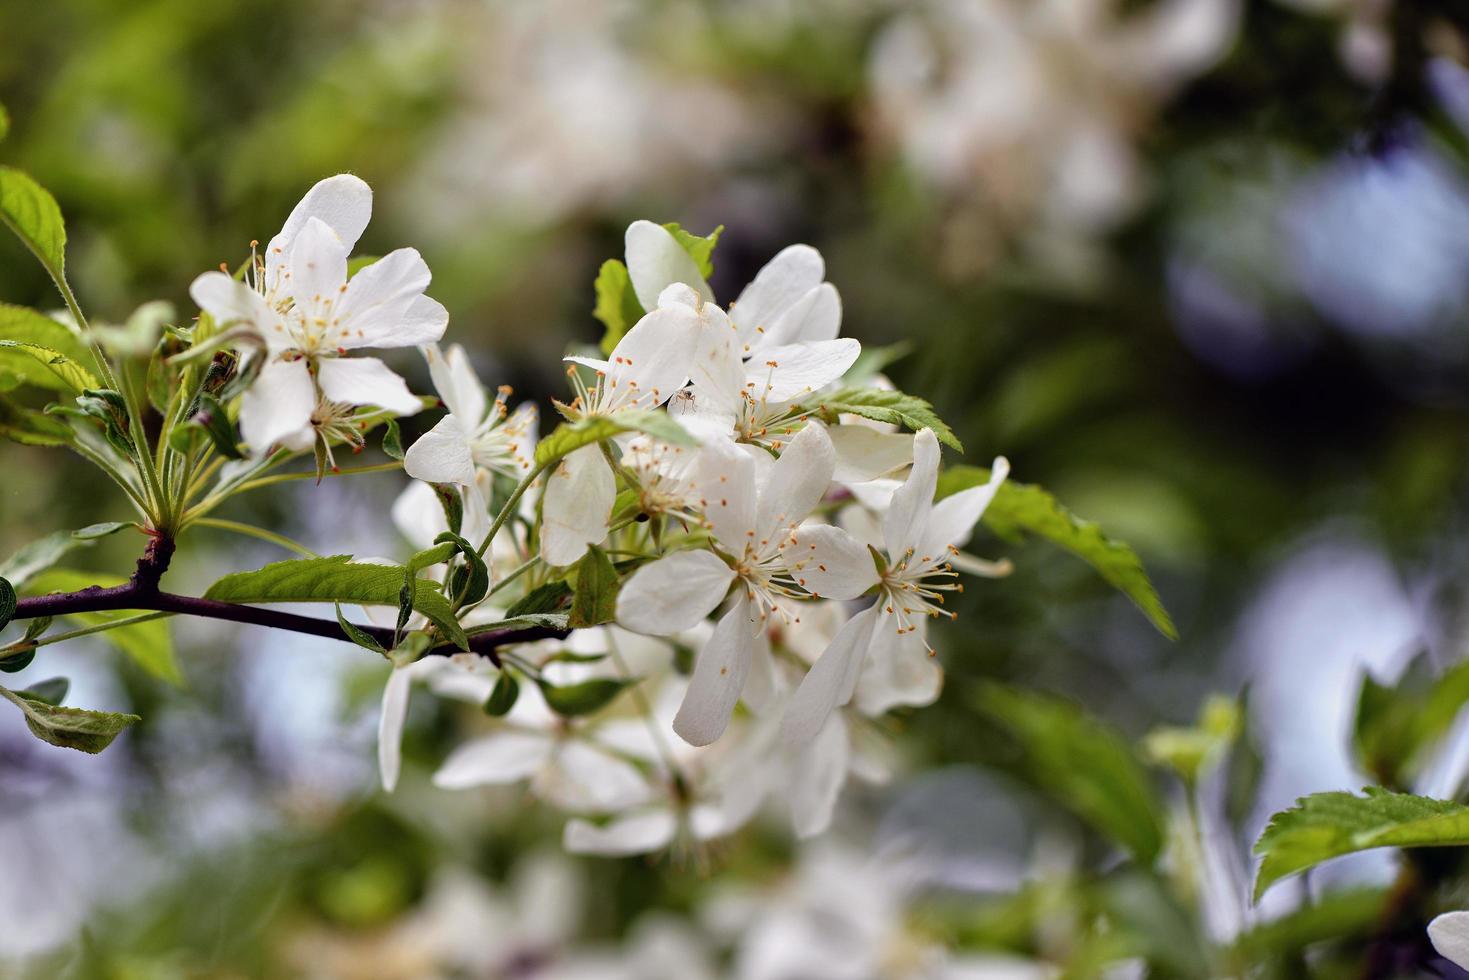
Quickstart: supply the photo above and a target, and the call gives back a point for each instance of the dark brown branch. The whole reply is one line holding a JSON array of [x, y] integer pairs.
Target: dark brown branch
[[141, 592]]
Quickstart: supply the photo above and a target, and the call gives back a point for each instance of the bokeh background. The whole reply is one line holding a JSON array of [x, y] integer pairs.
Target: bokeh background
[[1200, 267]]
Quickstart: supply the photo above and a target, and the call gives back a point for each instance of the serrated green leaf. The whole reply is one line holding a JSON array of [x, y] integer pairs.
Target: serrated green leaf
[[452, 504], [882, 405], [24, 326], [1084, 764], [504, 696], [1397, 726], [542, 599], [1021, 507], [51, 691], [69, 728], [30, 211], [357, 634], [147, 644], [70, 375], [573, 700], [699, 247], [594, 600], [568, 437], [42, 553], [617, 304], [338, 579], [1327, 825]]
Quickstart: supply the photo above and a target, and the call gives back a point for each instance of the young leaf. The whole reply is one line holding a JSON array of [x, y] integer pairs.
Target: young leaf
[[882, 405], [70, 376], [617, 304], [8, 602], [1086, 765], [19, 660], [31, 428], [524, 621], [1397, 726], [595, 599], [393, 440], [503, 697], [148, 644], [568, 437], [542, 599], [699, 247], [1194, 750], [41, 554], [452, 504], [573, 700], [1021, 507], [1327, 825], [210, 418], [470, 581], [26, 326], [51, 691], [30, 211], [69, 728], [357, 634]]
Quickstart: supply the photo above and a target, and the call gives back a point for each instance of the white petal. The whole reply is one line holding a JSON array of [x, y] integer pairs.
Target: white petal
[[277, 407], [682, 295], [343, 203], [419, 517], [725, 478], [673, 593], [1449, 934], [365, 381], [653, 359], [828, 562], [953, 518], [764, 684], [655, 260], [719, 675], [814, 317], [820, 772], [494, 760], [229, 301], [577, 506], [781, 374], [794, 272], [384, 305], [390, 726], [898, 670], [317, 266], [718, 368], [865, 454], [829, 682], [796, 483], [907, 516], [457, 384], [441, 455], [583, 779], [638, 833]]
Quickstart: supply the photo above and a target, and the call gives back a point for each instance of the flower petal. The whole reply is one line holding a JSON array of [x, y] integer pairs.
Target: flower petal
[[277, 407], [390, 726], [652, 359], [794, 272], [441, 455], [829, 682], [819, 773], [898, 670], [655, 260], [796, 483], [230, 301], [365, 381], [725, 479], [317, 266], [343, 203], [954, 517], [384, 305], [719, 675], [865, 454], [673, 593], [577, 506], [828, 562], [816, 316], [908, 514], [457, 384], [780, 374], [637, 833], [585, 779], [494, 760], [1449, 934]]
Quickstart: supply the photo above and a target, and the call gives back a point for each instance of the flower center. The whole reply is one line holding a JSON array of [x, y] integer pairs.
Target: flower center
[[914, 587]]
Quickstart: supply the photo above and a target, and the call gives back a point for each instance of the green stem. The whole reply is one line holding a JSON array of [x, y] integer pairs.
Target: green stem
[[519, 571], [510, 504], [252, 531], [269, 481], [98, 628]]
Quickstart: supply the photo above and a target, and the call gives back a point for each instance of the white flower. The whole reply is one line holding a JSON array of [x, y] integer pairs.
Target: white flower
[[887, 639], [309, 315], [1449, 934], [647, 366], [749, 520], [475, 434]]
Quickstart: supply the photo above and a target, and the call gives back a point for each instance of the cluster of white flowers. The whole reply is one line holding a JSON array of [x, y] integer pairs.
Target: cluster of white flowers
[[711, 484]]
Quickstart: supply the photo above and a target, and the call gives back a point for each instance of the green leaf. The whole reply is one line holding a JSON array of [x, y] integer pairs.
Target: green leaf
[[595, 599], [1021, 507], [51, 691], [393, 440], [452, 503], [1397, 726], [542, 599], [699, 247], [69, 728], [8, 602], [357, 634], [617, 304], [1192, 751], [31, 428], [338, 579], [1084, 764], [523, 621], [568, 437], [147, 644], [1327, 825], [210, 418], [30, 211], [573, 700], [882, 405], [1334, 915], [25, 326], [470, 581], [359, 262], [14, 663], [41, 554], [503, 697], [72, 377]]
